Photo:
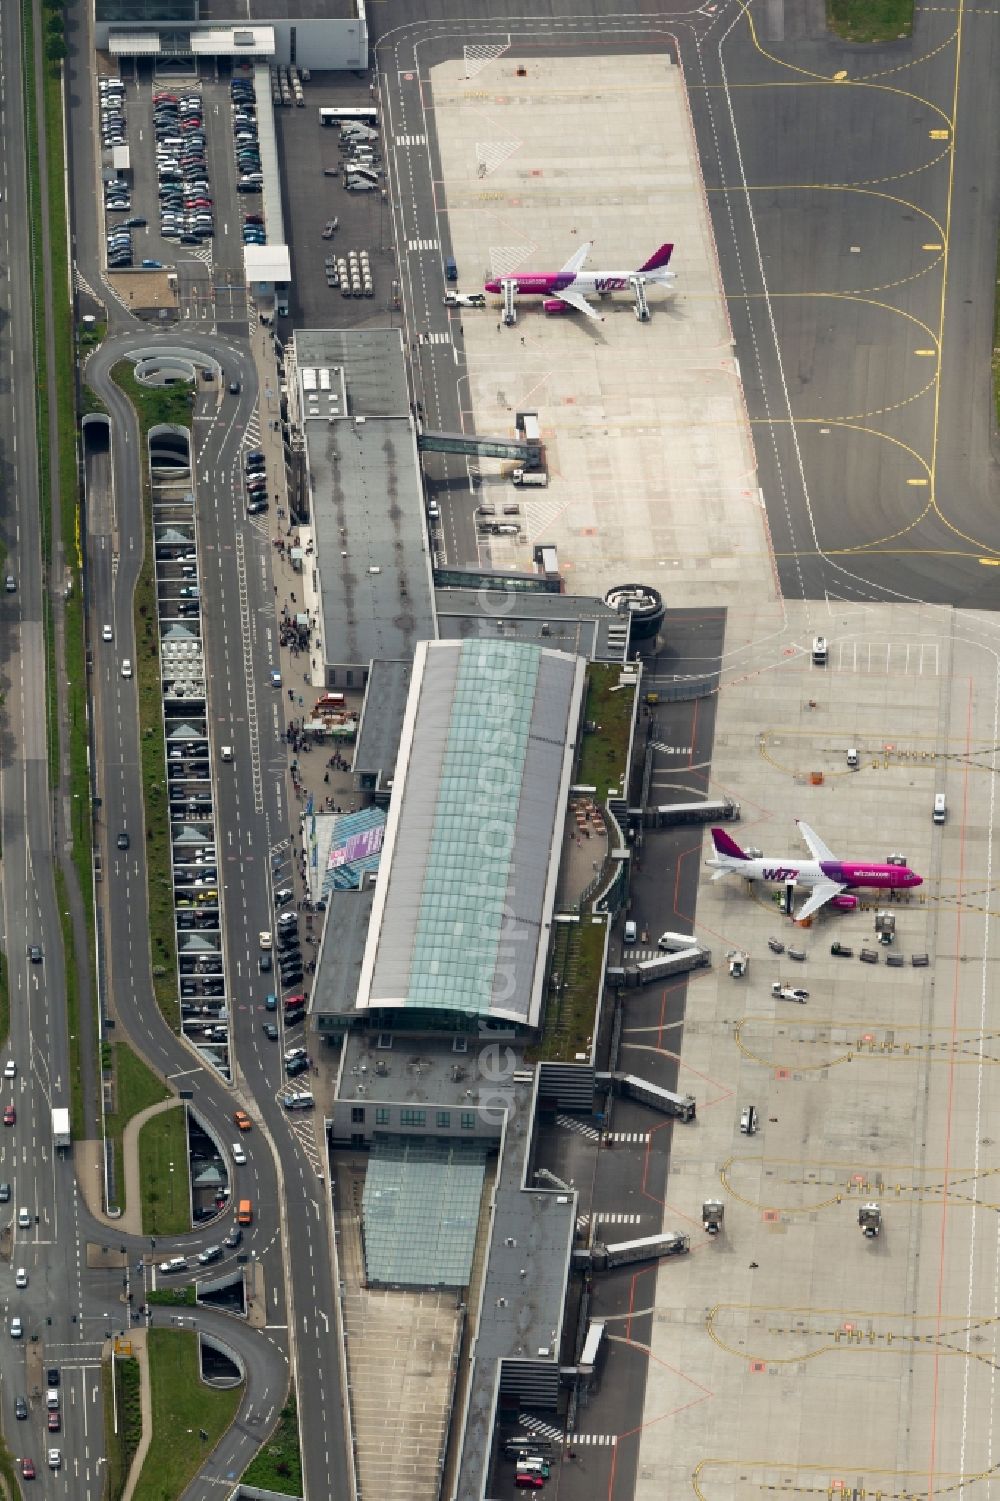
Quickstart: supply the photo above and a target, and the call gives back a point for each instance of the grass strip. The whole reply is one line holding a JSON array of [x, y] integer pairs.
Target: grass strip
[[121, 1447], [38, 326], [171, 404], [996, 341], [72, 1006], [605, 748], [183, 1408], [277, 1465], [4, 1000], [173, 1297], [8, 1474], [571, 1008], [135, 1088], [870, 20], [53, 244], [162, 1147]]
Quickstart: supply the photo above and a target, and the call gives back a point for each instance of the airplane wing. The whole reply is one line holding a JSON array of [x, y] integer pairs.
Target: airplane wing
[[822, 892], [578, 301], [577, 259], [817, 848]]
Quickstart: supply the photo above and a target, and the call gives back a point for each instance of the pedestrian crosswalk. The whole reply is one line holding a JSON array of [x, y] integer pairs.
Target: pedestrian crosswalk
[[531, 1424], [583, 1220], [439, 336], [422, 245], [593, 1133], [606, 1440], [411, 140], [581, 1127], [671, 750]]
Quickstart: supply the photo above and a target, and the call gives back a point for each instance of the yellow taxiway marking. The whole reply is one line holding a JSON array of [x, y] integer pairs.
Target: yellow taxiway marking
[[917, 482], [926, 352]]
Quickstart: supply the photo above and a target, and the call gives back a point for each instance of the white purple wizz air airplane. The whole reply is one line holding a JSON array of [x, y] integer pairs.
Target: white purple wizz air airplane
[[831, 879], [566, 291]]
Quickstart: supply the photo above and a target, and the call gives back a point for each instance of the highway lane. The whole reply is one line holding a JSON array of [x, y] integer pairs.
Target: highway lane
[[41, 1185]]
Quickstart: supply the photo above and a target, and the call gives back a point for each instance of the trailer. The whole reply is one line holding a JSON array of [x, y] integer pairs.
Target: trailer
[[61, 1135], [650, 1248], [650, 970], [683, 1106], [722, 809]]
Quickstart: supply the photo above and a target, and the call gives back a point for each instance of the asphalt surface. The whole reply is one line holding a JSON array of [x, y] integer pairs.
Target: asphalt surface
[[855, 245], [40, 1185], [251, 826]]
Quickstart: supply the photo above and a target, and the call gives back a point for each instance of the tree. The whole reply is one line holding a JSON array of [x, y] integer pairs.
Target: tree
[[55, 48]]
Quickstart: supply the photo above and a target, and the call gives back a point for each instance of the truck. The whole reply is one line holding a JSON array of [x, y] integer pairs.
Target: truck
[[61, 1137], [530, 477]]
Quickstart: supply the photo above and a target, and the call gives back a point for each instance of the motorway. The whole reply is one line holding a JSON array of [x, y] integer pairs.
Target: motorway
[[41, 1185]]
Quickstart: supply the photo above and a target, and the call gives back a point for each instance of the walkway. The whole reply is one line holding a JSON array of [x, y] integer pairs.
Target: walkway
[[88, 1159]]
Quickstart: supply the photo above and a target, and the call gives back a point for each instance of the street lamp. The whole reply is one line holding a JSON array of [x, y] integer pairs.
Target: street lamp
[[171, 1189]]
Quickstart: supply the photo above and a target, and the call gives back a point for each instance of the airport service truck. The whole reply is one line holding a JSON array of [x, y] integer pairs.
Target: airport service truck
[[537, 477], [60, 1130]]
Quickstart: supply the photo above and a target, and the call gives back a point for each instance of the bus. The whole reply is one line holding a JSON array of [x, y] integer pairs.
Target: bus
[[367, 114]]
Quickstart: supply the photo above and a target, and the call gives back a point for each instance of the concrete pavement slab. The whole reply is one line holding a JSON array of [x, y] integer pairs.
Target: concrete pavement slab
[[650, 458]]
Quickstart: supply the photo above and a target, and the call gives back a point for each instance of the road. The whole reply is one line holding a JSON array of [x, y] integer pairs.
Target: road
[[251, 821]]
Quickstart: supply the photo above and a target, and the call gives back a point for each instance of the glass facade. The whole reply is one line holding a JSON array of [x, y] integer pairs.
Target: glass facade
[[465, 882], [145, 12], [420, 1211]]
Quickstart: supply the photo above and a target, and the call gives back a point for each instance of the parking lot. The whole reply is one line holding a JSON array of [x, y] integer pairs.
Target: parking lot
[[182, 136], [312, 199]]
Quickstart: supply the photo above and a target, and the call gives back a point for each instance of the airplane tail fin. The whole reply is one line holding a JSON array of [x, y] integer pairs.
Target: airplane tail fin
[[658, 259], [726, 845]]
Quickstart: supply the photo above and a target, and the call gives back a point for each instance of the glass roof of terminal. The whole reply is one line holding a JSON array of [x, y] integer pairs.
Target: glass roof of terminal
[[420, 1210], [462, 905]]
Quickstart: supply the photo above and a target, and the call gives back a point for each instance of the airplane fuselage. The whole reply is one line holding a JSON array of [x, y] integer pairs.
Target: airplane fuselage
[[847, 873], [587, 283]]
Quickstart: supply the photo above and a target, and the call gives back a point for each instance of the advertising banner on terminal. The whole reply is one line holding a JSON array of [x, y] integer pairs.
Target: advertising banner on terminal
[[368, 842]]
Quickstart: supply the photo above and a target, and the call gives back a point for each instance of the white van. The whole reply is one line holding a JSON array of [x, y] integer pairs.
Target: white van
[[940, 807], [673, 943], [630, 932]]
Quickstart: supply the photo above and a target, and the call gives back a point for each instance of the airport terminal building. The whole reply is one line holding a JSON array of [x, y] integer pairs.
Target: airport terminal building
[[309, 33]]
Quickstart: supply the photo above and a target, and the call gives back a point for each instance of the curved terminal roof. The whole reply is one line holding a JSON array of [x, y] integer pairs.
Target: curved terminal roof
[[465, 888]]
